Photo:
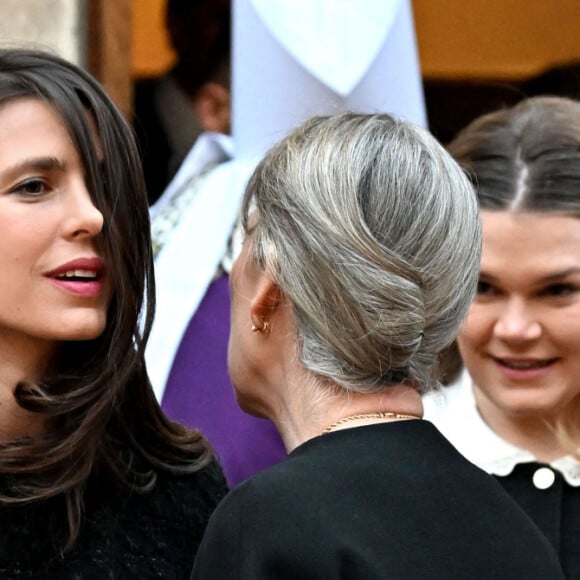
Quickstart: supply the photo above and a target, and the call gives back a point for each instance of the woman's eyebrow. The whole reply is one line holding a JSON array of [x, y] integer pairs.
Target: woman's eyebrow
[[560, 274], [33, 164]]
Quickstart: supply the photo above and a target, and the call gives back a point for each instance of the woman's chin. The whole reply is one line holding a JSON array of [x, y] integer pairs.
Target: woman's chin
[[533, 407], [251, 404], [86, 330]]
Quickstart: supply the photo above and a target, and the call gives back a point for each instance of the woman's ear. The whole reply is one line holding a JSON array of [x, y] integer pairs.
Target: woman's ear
[[266, 300], [213, 107]]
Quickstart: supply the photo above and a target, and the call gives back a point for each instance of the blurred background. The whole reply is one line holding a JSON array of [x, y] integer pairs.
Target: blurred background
[[475, 54]]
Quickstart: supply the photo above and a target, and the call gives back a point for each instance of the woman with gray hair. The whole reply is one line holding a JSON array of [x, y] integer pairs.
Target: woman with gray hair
[[360, 260]]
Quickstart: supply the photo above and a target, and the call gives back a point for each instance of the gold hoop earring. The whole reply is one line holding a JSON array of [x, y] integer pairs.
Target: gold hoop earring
[[263, 329]]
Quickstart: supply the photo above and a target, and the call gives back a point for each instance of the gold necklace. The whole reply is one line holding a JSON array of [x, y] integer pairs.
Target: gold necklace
[[376, 415]]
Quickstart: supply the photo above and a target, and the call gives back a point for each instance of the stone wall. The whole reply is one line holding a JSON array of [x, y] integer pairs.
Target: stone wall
[[58, 25]]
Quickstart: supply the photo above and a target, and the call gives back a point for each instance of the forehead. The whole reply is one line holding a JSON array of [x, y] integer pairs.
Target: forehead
[[529, 244], [27, 119], [32, 123]]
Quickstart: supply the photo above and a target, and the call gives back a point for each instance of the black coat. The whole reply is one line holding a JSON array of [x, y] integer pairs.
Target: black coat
[[387, 501], [123, 535]]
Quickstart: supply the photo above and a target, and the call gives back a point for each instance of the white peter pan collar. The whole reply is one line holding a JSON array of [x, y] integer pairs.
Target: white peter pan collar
[[453, 411]]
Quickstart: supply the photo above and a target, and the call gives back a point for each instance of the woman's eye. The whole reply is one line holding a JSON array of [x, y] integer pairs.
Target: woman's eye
[[31, 188], [559, 290], [484, 288]]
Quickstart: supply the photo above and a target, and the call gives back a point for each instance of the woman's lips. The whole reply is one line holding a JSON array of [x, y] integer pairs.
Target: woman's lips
[[82, 277], [89, 287], [524, 368]]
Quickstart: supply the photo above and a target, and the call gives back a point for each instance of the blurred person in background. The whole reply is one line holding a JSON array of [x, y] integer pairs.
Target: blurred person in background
[[172, 110], [282, 75]]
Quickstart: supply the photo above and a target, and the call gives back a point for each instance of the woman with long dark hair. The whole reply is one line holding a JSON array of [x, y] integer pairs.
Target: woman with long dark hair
[[94, 480]]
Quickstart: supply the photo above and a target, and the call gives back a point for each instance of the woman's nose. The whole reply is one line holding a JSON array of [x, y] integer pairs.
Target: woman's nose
[[517, 322], [83, 217]]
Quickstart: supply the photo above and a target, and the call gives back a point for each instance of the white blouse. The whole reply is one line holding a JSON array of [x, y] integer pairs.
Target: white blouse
[[454, 412]]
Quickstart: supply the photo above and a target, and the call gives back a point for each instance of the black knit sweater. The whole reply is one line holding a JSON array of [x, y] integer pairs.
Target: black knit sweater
[[123, 535]]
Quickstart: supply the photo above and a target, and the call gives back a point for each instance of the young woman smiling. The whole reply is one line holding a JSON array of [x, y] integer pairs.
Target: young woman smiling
[[93, 478], [515, 409]]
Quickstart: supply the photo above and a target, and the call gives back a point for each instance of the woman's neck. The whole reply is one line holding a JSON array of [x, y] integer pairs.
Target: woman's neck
[[325, 407], [16, 422], [19, 363]]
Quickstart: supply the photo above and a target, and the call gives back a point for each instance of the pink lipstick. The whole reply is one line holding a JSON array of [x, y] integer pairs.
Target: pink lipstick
[[81, 277]]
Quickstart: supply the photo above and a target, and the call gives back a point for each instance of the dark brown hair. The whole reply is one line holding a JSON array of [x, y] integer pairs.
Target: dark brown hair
[[200, 32], [526, 158], [100, 408]]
